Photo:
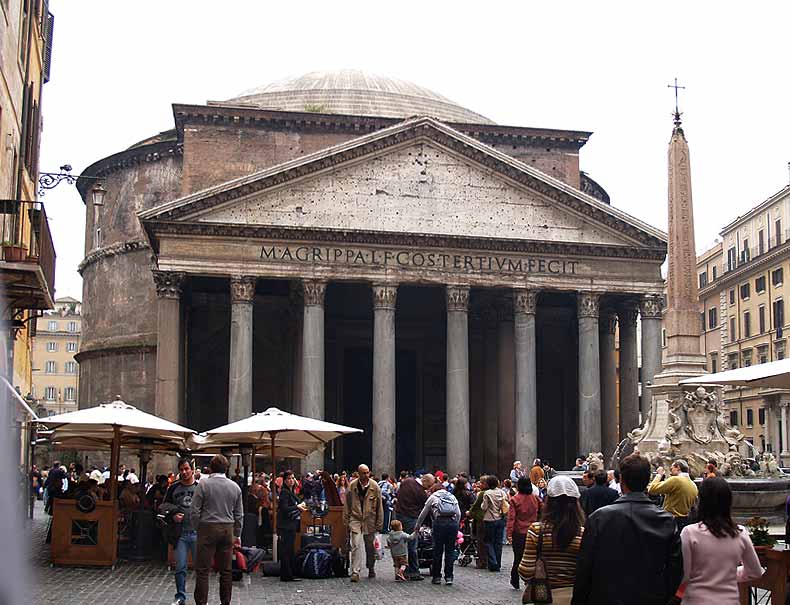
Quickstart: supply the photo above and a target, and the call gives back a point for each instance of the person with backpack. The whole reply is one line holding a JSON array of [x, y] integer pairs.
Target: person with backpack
[[180, 533], [445, 514], [289, 515]]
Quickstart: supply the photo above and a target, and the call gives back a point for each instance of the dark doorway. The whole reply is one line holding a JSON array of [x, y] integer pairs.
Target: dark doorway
[[357, 394], [406, 405], [557, 377]]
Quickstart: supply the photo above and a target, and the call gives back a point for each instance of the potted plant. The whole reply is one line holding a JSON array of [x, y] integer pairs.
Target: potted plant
[[13, 253], [758, 532]]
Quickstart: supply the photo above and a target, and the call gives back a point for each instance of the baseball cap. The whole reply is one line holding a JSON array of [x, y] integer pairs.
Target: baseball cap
[[562, 486]]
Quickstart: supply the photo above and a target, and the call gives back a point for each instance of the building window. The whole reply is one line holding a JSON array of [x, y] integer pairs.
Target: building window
[[70, 394], [759, 284], [733, 336], [777, 277], [50, 367], [747, 324], [703, 279], [52, 347], [761, 318], [732, 256], [53, 326], [762, 354], [732, 296], [779, 317], [778, 231], [71, 347], [761, 416], [715, 273], [749, 417], [734, 418], [72, 326], [745, 291], [745, 256], [747, 358], [702, 320], [732, 361], [50, 393], [663, 337], [712, 318], [71, 367], [760, 241], [714, 363]]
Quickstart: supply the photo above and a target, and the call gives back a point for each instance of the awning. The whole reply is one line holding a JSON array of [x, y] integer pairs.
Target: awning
[[772, 375]]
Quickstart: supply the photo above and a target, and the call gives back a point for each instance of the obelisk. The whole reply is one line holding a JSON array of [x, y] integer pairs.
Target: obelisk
[[683, 357]]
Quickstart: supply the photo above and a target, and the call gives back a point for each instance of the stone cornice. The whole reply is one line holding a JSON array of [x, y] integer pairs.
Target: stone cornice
[[404, 133], [384, 238], [153, 152], [250, 116], [738, 274], [112, 250]]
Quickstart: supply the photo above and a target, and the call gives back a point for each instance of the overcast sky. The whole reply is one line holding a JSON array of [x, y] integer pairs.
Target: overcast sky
[[604, 67]]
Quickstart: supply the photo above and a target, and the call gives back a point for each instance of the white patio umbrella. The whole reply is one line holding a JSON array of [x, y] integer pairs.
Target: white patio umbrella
[[772, 375], [280, 432], [112, 425]]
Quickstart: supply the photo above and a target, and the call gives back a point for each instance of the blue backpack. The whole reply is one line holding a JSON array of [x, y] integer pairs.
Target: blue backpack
[[318, 561]]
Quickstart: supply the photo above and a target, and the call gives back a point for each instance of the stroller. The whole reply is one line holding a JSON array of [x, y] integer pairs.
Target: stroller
[[467, 551], [424, 547]]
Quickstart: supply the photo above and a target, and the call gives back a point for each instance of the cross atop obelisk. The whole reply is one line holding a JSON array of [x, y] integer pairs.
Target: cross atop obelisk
[[677, 110]]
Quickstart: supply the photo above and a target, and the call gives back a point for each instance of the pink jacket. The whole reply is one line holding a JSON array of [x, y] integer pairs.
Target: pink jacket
[[712, 567]]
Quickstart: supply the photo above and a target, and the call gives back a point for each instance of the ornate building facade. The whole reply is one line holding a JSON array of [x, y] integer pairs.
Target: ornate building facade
[[363, 250]]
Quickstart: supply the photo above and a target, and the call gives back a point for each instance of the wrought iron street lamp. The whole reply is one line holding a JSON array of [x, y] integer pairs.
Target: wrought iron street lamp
[[50, 180]]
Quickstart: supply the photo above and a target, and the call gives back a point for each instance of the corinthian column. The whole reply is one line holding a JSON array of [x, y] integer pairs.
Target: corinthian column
[[313, 358], [242, 294], [607, 325], [526, 434], [384, 417], [589, 373], [650, 312], [629, 370], [457, 379], [169, 363]]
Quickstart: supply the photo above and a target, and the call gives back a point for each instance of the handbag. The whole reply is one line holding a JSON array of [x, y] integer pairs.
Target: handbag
[[538, 588]]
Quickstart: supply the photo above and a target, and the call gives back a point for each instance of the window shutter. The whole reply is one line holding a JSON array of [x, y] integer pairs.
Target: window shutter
[[49, 28]]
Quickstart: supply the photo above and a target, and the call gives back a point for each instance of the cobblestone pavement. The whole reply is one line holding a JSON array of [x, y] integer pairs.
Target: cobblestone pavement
[[150, 583]]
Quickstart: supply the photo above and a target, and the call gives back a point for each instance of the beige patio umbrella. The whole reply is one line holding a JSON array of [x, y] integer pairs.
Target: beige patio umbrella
[[111, 426], [280, 432]]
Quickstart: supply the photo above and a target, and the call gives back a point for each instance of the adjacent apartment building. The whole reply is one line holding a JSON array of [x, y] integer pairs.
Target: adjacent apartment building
[[55, 372], [743, 283], [27, 256]]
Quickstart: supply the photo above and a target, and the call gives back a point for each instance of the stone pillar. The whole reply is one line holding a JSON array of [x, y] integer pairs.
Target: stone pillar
[[650, 313], [169, 359], [526, 426], [629, 370], [610, 435], [384, 417], [491, 405], [783, 411], [313, 291], [242, 294], [589, 373], [506, 389], [457, 379]]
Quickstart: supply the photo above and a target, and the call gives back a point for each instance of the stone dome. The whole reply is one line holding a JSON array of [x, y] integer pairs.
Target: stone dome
[[354, 92]]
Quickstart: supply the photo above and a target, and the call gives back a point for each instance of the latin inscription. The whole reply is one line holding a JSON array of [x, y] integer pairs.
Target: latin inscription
[[408, 259]]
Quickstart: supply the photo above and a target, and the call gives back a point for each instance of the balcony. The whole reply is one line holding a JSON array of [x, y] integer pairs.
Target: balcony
[[27, 269]]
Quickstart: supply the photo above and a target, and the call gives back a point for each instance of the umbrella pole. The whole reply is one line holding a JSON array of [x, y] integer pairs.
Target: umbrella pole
[[115, 455], [274, 502]]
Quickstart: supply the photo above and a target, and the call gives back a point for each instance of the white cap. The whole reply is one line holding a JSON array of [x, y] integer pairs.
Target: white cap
[[562, 486]]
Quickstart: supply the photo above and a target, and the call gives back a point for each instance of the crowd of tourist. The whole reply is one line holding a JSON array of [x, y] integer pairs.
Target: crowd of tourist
[[619, 538]]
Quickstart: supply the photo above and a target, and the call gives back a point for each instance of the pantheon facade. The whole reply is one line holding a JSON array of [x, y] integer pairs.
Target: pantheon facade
[[361, 249]]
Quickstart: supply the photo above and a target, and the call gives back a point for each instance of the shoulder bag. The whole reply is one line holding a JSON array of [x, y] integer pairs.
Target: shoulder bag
[[538, 588]]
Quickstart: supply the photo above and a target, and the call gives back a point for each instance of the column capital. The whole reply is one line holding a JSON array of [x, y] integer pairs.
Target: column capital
[[607, 322], [588, 304], [525, 300], [313, 291], [650, 306], [627, 314], [458, 298], [242, 290], [169, 284], [385, 296]]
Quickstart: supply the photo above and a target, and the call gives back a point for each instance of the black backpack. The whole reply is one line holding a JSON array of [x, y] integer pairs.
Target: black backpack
[[317, 562]]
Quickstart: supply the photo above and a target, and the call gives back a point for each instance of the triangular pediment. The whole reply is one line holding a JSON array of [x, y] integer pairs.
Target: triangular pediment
[[420, 177]]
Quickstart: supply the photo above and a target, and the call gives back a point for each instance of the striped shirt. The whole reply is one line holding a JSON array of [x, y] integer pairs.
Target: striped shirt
[[560, 564]]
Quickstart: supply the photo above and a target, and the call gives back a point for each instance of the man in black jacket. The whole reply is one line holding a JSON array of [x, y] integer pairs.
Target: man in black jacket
[[630, 551], [599, 494]]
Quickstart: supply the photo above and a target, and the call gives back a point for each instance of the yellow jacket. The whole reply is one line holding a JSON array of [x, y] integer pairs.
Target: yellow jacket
[[679, 493]]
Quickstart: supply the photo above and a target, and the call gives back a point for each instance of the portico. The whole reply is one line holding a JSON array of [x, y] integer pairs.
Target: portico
[[449, 300]]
